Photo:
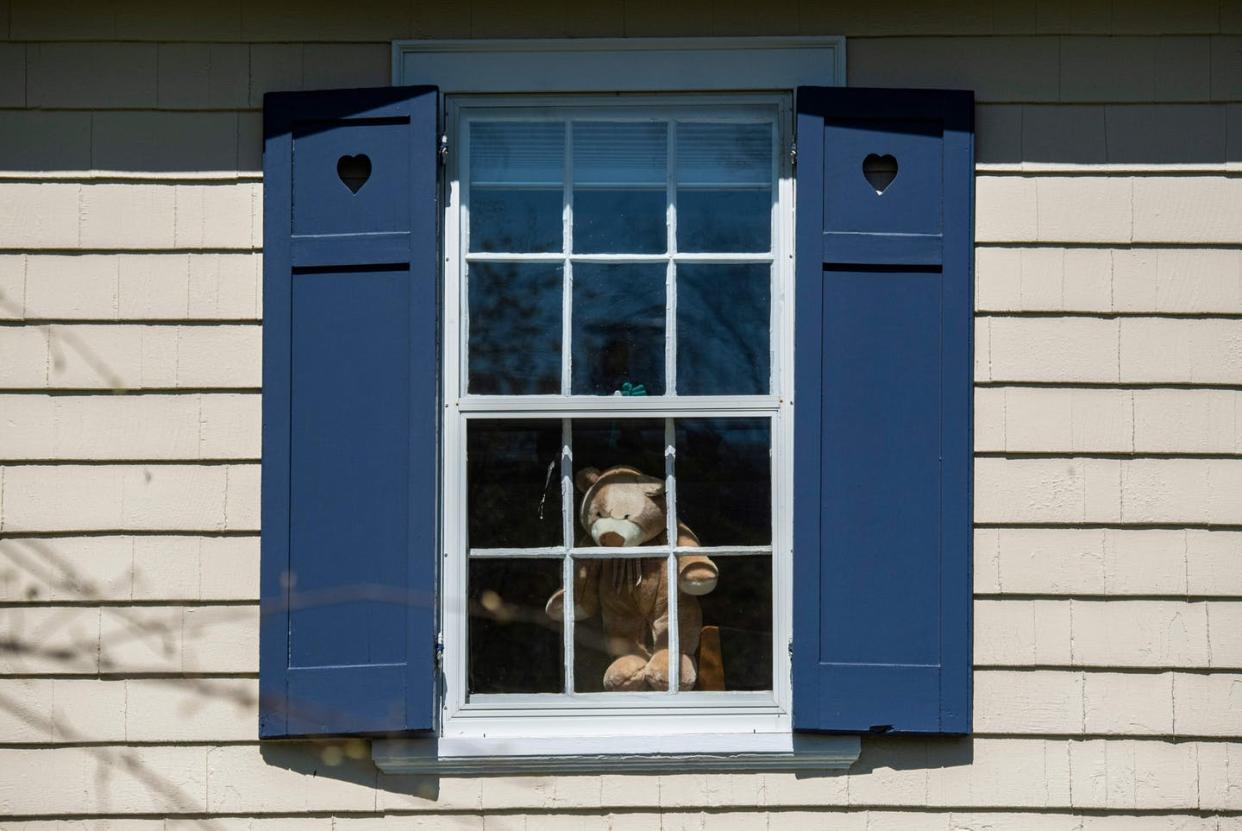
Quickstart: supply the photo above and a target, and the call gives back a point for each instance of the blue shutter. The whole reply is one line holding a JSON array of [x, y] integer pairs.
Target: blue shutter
[[349, 412], [882, 400]]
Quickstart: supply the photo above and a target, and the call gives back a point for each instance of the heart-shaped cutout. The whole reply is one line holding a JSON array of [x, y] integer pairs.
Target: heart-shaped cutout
[[354, 171], [880, 171]]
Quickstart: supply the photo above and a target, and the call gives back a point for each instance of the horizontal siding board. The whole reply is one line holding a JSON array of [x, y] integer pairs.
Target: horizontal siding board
[[129, 356], [1068, 421], [1109, 280], [130, 497], [1002, 774], [121, 568], [1138, 350], [1108, 491], [146, 427], [1150, 634]]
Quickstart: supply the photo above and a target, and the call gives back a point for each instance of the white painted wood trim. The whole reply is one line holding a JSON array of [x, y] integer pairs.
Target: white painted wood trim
[[620, 64], [629, 754]]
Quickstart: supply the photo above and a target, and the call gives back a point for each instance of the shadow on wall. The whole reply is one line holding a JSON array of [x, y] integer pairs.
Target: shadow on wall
[[168, 142]]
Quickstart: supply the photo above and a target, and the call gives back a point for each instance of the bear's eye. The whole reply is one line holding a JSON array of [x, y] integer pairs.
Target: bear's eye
[[627, 516]]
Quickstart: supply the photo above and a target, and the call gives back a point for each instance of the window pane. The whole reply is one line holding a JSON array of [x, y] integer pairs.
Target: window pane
[[724, 196], [516, 193], [714, 154], [514, 646], [621, 609], [620, 187], [734, 650], [724, 479], [618, 330], [723, 342], [724, 221], [605, 443], [513, 483], [515, 328]]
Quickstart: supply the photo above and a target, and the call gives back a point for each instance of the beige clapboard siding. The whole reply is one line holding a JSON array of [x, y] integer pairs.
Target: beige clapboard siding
[[1108, 562], [119, 568], [988, 773], [102, 216], [130, 356], [150, 286], [172, 497], [1109, 633], [1054, 420], [1108, 280], [1031, 702], [1108, 209], [120, 640], [1108, 491], [79, 710], [1128, 350], [155, 426]]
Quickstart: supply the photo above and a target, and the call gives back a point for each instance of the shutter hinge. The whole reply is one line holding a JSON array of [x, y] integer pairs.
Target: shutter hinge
[[440, 649], [442, 151], [793, 154]]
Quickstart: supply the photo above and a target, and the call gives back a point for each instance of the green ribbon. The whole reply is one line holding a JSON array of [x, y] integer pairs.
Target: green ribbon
[[633, 389]]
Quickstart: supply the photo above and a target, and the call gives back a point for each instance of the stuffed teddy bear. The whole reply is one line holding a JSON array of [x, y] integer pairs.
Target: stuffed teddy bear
[[623, 507]]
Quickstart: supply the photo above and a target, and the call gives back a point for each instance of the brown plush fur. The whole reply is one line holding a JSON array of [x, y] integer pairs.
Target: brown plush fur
[[623, 507]]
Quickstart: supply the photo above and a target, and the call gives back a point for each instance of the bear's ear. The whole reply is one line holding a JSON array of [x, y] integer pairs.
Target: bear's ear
[[652, 486], [586, 477]]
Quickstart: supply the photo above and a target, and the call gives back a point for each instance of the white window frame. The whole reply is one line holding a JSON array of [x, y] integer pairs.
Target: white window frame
[[614, 714], [754, 734]]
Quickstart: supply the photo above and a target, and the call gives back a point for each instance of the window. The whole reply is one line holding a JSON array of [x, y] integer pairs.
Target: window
[[614, 300], [464, 362]]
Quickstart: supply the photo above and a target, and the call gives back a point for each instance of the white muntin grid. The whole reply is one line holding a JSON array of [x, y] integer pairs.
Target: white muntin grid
[[495, 713]]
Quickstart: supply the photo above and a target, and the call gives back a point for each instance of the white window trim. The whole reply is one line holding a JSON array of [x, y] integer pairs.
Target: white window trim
[[594, 65], [755, 740]]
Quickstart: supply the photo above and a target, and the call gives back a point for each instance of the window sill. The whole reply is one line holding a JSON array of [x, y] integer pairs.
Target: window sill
[[630, 754]]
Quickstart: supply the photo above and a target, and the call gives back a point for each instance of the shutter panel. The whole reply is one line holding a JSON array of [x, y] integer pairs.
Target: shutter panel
[[882, 504], [349, 412]]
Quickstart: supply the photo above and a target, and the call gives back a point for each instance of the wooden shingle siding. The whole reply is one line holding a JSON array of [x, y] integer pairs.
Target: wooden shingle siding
[[1108, 422]]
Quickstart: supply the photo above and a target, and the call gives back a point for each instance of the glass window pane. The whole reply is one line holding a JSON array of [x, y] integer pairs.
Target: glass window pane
[[600, 444], [723, 318], [618, 328], [716, 154], [513, 495], [734, 649], [724, 479], [621, 629], [620, 190], [514, 647], [724, 193], [516, 192], [515, 328], [724, 221]]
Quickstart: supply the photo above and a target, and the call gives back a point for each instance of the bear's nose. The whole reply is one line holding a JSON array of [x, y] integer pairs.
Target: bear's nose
[[611, 538]]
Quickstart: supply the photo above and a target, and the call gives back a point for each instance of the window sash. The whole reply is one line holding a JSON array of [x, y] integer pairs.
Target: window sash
[[463, 406]]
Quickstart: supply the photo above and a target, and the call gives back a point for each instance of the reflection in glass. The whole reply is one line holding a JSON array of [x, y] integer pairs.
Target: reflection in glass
[[513, 646], [515, 328], [724, 187], [735, 642], [621, 634], [516, 193], [724, 479], [619, 187], [723, 344], [513, 497], [602, 443], [618, 329]]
